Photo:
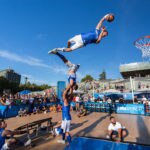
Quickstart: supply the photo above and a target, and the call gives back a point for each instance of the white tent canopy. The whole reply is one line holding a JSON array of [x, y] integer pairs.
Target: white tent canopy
[[78, 92], [111, 91]]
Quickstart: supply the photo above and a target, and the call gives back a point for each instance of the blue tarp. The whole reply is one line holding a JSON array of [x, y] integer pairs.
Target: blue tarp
[[98, 95], [24, 92], [81, 143], [2, 111], [113, 96]]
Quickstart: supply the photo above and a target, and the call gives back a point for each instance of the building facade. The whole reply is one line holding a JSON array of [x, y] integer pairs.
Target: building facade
[[11, 75], [137, 69]]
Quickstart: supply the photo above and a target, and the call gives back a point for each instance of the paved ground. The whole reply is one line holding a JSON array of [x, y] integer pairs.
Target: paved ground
[[93, 125]]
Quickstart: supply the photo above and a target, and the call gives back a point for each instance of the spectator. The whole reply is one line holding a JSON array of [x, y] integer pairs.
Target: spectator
[[35, 110], [82, 112], [51, 108], [109, 101], [3, 100], [144, 99], [121, 101], [54, 108], [77, 99], [115, 130], [59, 108], [44, 109], [5, 133], [77, 106], [135, 100], [25, 112], [20, 112]]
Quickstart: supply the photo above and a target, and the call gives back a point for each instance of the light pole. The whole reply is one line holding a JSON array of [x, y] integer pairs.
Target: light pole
[[132, 86], [26, 80], [93, 88]]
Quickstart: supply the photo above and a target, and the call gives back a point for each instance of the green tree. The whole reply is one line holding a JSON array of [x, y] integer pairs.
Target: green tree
[[14, 88], [6, 85], [33, 87], [102, 75], [87, 78]]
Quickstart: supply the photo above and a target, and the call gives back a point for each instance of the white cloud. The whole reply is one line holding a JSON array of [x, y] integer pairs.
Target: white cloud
[[38, 81], [32, 61], [23, 59], [29, 60]]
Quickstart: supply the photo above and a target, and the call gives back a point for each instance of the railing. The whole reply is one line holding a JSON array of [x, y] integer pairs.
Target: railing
[[137, 109]]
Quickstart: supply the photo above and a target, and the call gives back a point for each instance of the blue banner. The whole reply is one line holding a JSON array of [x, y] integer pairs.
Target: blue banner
[[2, 111], [137, 109], [61, 85], [12, 111]]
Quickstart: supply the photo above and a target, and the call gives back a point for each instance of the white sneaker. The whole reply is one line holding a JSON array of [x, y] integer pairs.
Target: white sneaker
[[27, 143], [61, 141], [60, 49], [53, 51]]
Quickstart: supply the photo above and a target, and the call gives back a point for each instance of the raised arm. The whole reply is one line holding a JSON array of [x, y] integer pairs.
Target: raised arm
[[65, 98], [99, 25]]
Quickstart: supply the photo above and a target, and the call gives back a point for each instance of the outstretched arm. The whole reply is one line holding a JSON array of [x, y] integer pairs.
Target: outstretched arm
[[12, 133], [101, 22]]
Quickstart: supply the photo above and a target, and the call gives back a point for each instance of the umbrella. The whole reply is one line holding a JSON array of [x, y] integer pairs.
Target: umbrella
[[24, 92]]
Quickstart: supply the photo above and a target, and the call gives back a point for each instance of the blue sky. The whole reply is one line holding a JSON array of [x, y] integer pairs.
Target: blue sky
[[29, 28]]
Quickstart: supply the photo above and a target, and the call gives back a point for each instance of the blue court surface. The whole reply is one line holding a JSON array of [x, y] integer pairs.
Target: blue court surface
[[82, 143]]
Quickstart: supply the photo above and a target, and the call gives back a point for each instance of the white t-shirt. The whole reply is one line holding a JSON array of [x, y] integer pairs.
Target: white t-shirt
[[114, 127], [77, 99], [144, 99]]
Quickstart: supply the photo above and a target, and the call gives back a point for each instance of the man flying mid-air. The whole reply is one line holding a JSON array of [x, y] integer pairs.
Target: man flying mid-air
[[83, 39]]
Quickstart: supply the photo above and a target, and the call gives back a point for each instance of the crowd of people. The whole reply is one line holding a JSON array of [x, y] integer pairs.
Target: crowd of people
[[121, 100], [10, 99]]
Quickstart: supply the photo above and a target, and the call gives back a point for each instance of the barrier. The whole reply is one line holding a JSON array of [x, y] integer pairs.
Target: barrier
[[137, 109], [12, 111], [82, 143], [97, 107], [2, 111], [61, 85]]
